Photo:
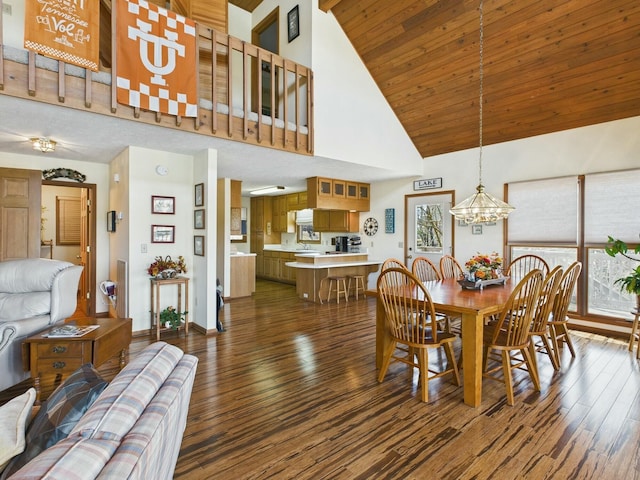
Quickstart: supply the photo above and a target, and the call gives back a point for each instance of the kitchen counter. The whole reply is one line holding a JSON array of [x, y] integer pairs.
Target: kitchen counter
[[312, 269], [243, 274]]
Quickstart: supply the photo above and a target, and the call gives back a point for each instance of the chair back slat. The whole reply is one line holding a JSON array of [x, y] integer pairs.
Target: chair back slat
[[546, 300], [409, 311], [424, 269], [450, 268], [522, 265], [565, 292], [514, 323]]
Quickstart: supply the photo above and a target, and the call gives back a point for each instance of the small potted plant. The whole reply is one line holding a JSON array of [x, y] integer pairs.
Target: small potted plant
[[630, 283], [171, 318]]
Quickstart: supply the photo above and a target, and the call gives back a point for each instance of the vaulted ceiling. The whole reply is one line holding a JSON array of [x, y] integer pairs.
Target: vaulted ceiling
[[549, 65]]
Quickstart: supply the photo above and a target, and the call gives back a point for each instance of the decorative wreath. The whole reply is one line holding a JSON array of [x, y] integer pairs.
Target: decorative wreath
[[63, 173]]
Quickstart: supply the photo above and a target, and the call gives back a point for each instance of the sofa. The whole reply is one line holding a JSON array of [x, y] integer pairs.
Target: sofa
[[35, 293], [132, 430]]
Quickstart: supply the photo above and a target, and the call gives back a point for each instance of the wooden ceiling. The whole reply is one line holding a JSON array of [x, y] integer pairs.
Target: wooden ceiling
[[549, 65], [248, 5]]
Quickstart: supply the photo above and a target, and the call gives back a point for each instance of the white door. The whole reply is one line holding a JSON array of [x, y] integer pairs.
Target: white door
[[429, 226]]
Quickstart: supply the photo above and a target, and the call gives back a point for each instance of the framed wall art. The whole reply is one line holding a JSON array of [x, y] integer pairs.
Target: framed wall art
[[163, 205], [198, 219], [199, 195], [389, 220], [111, 221], [293, 23], [198, 245], [476, 229], [163, 233]]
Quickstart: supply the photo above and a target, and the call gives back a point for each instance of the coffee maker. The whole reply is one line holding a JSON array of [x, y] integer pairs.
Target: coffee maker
[[342, 244]]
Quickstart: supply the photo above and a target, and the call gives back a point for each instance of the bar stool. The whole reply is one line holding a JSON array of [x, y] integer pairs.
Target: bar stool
[[341, 287], [635, 333], [358, 284]]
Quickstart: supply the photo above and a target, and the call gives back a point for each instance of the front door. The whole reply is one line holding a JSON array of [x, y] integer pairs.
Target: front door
[[428, 226], [20, 213]]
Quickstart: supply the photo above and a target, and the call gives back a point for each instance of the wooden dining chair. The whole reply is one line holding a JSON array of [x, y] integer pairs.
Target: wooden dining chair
[[506, 342], [424, 269], [559, 320], [523, 264], [392, 263], [450, 268], [540, 325], [411, 322]]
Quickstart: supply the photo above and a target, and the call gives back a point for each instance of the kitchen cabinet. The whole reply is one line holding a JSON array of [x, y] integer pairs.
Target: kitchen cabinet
[[296, 201], [236, 207], [335, 221], [282, 221], [243, 275], [336, 194]]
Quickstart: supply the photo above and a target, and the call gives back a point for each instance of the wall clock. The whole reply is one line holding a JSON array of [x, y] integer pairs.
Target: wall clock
[[370, 226]]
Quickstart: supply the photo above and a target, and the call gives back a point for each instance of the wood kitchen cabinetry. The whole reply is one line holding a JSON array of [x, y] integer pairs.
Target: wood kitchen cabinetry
[[335, 194], [275, 266], [262, 231], [297, 201], [236, 207], [283, 222], [336, 221]]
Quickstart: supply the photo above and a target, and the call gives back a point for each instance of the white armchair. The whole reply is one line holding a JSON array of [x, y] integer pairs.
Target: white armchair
[[34, 294]]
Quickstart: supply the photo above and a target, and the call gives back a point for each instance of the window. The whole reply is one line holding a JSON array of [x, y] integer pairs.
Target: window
[[428, 228], [68, 220], [548, 221]]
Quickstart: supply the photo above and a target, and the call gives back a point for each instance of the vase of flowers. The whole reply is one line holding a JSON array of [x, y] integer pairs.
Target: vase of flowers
[[167, 267], [484, 267], [171, 318]]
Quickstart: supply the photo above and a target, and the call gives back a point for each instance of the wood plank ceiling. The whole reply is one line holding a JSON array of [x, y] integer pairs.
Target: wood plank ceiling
[[549, 65]]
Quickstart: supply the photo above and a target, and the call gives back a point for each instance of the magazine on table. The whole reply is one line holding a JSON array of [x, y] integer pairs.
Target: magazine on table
[[70, 331]]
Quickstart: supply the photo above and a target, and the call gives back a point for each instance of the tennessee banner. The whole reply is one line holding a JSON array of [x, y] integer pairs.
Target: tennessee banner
[[156, 59], [66, 30]]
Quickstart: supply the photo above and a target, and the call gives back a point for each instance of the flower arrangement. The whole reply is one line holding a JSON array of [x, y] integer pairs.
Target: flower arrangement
[[484, 267], [171, 318], [167, 264]]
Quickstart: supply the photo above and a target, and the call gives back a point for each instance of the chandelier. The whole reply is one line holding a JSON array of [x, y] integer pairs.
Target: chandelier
[[481, 207]]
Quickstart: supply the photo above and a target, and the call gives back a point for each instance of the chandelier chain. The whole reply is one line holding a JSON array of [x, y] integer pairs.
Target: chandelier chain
[[481, 99]]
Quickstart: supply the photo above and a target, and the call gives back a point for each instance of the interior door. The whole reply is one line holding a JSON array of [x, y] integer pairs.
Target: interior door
[[83, 287], [20, 213], [428, 226]]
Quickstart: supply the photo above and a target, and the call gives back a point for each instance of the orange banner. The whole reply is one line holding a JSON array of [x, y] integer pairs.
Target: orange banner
[[67, 30], [156, 65]]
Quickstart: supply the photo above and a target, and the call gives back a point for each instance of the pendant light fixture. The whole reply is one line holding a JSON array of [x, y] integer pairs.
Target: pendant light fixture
[[481, 207]]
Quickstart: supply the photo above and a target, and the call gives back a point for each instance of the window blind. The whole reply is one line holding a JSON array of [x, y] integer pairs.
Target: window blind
[[545, 211], [612, 203]]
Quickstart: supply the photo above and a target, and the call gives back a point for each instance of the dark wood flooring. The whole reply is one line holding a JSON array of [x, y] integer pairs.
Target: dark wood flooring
[[290, 391]]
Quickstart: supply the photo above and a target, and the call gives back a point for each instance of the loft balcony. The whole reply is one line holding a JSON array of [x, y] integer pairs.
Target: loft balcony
[[246, 94]]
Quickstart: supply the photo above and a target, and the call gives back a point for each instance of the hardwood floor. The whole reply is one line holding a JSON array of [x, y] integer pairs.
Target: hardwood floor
[[290, 391]]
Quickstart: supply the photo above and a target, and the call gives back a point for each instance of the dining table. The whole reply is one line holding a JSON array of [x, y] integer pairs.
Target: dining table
[[474, 306]]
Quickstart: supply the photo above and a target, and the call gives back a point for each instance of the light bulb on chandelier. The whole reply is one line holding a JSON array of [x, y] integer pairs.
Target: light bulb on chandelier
[[45, 145], [481, 207]]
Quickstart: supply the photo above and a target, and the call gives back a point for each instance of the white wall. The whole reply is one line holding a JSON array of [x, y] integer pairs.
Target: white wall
[[13, 25], [353, 121], [605, 147]]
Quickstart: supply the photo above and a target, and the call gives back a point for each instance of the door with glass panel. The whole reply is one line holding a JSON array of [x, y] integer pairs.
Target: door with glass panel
[[428, 226]]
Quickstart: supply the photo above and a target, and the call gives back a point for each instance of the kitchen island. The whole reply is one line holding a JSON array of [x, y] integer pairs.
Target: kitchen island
[[313, 268]]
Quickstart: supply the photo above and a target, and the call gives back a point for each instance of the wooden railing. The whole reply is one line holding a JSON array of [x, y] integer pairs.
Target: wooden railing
[[246, 93]]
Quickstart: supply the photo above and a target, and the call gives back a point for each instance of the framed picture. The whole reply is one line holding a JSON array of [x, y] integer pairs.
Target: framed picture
[[293, 23], [476, 229], [163, 205], [163, 233], [198, 219], [111, 221], [199, 195], [462, 223], [389, 220], [198, 245]]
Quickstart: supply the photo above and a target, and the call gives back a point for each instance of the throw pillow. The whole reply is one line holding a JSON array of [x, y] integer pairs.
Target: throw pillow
[[60, 413], [14, 416]]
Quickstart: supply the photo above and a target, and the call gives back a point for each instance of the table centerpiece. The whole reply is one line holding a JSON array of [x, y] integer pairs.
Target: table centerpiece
[[483, 270]]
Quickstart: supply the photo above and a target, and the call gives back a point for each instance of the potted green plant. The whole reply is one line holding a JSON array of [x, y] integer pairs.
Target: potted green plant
[[630, 283], [171, 318]]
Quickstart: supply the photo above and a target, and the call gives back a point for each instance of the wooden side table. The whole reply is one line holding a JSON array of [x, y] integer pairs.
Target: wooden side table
[[64, 355], [635, 333], [156, 283]]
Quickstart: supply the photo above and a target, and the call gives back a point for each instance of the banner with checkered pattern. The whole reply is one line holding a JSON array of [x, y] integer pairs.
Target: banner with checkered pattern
[[156, 66], [67, 30]]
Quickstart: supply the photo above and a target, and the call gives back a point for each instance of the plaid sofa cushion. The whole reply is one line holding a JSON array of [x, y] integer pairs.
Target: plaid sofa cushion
[[59, 414], [124, 400]]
